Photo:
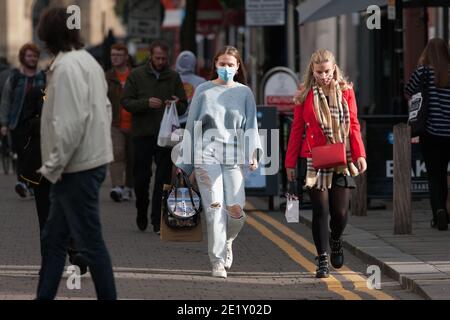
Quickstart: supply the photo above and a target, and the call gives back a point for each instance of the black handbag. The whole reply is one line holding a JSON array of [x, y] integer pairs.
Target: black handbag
[[28, 141], [182, 204], [418, 106], [29, 161]]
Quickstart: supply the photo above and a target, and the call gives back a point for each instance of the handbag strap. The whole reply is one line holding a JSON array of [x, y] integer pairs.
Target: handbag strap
[[424, 80], [307, 141], [306, 138]]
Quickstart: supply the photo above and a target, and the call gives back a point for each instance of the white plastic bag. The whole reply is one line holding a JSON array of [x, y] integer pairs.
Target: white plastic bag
[[292, 213], [169, 124]]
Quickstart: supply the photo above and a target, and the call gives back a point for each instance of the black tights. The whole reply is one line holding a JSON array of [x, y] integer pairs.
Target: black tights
[[334, 201]]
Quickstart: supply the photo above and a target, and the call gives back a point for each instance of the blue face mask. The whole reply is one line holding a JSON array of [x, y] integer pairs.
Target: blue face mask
[[226, 73]]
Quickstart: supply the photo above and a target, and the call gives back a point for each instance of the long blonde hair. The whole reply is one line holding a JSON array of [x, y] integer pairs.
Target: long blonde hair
[[318, 57]]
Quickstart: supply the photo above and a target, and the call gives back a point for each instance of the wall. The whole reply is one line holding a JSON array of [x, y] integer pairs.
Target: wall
[[16, 26]]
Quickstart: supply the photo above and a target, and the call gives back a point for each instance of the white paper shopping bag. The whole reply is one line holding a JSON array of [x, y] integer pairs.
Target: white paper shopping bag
[[292, 213]]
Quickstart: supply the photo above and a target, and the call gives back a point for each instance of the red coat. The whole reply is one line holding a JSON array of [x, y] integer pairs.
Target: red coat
[[304, 116]]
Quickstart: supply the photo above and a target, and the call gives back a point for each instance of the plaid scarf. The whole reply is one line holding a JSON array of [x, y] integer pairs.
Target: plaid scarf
[[334, 119]]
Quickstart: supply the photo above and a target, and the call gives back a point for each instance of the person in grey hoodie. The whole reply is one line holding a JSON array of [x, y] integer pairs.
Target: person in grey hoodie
[[185, 66]]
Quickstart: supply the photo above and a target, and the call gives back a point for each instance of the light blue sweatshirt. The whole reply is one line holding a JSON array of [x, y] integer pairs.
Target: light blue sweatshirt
[[221, 125]]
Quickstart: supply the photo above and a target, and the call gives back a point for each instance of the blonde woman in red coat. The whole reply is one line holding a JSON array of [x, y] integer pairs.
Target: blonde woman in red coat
[[325, 113]]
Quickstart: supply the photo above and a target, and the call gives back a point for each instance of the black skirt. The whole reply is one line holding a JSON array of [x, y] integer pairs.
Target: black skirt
[[340, 180]]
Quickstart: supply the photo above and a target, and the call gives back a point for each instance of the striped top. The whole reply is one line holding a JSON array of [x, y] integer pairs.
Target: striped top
[[438, 122]]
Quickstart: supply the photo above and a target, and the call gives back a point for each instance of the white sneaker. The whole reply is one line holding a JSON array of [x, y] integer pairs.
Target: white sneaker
[[116, 194], [229, 260], [218, 270], [127, 194]]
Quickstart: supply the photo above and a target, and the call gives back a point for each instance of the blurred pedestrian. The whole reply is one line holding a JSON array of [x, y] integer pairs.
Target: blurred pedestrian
[[29, 161], [226, 106], [435, 141], [149, 89], [29, 157], [3, 64], [185, 65], [17, 85], [121, 169], [4, 73], [326, 112], [76, 148]]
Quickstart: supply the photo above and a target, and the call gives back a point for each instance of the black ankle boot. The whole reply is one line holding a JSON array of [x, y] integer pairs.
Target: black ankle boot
[[337, 254], [322, 266], [433, 223], [441, 219], [79, 260]]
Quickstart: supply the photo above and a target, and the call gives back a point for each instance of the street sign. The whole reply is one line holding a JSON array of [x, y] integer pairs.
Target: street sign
[[279, 87], [209, 12], [260, 182], [264, 12], [210, 16], [144, 20], [380, 163]]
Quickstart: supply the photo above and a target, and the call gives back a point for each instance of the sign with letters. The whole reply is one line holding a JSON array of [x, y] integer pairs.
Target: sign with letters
[[144, 20], [380, 163], [279, 87], [261, 182], [264, 13]]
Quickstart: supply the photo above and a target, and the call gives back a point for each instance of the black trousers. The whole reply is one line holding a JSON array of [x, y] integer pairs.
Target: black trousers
[[146, 150], [436, 153], [42, 200]]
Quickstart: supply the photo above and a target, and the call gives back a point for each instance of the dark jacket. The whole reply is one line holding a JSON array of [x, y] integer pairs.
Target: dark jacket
[[4, 74], [27, 133], [142, 84], [13, 96], [114, 94]]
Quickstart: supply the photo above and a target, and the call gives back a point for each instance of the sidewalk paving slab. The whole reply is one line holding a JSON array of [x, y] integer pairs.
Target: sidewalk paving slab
[[420, 261]]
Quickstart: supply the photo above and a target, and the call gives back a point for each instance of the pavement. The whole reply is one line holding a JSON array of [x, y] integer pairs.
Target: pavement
[[420, 261], [273, 260]]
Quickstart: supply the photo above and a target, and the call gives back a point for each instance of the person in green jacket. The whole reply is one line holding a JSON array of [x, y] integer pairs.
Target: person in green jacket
[[148, 90]]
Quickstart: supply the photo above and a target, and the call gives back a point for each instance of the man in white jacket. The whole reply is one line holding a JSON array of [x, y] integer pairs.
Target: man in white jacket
[[76, 148]]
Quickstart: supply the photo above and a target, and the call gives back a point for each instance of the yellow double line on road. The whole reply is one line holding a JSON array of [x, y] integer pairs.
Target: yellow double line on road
[[333, 284]]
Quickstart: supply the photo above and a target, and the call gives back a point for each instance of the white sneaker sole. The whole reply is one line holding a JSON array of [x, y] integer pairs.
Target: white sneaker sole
[[219, 274]]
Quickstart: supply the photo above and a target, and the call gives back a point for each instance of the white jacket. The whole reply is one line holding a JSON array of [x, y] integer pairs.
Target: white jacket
[[76, 116]]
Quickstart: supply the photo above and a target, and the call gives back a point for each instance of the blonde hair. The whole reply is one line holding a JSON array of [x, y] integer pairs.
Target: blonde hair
[[319, 57]]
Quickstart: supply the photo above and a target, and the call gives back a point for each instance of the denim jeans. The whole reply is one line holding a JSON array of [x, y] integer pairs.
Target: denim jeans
[[74, 212], [221, 186]]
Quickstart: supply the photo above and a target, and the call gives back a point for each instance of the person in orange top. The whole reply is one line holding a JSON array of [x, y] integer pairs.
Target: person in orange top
[[121, 169]]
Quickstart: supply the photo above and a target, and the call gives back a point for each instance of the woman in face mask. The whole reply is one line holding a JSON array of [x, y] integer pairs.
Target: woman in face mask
[[326, 112], [221, 137]]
